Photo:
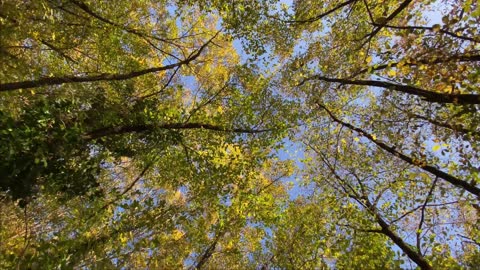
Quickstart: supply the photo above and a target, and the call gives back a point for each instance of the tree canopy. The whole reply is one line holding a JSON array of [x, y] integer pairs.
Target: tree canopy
[[180, 134]]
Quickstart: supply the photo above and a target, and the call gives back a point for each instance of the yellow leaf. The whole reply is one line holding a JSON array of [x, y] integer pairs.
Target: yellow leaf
[[356, 139], [374, 137], [177, 234], [392, 72], [178, 196], [369, 59], [229, 245], [436, 147], [123, 239]]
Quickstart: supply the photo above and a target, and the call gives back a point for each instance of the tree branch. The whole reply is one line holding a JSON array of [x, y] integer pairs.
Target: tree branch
[[90, 12], [422, 215], [455, 128], [426, 95], [438, 60], [413, 210], [426, 28], [127, 189], [118, 130], [470, 240], [170, 79], [101, 77], [207, 254], [385, 228], [388, 19], [324, 14], [429, 168], [57, 50], [412, 254]]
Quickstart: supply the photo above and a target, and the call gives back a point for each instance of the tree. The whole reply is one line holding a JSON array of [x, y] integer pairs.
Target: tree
[[123, 130], [141, 135], [393, 107]]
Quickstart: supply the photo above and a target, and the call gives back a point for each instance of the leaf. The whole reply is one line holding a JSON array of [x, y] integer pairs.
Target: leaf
[[177, 234]]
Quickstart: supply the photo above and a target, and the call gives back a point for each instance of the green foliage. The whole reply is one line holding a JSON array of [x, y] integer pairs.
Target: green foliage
[[140, 135]]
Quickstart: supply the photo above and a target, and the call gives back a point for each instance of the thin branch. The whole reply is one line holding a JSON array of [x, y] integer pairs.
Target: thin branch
[[270, 184], [379, 27], [411, 211], [470, 240], [170, 79], [385, 228], [324, 14], [125, 191], [90, 12], [57, 50], [411, 253], [368, 11], [456, 128], [426, 28], [437, 60], [354, 195], [429, 168], [26, 239], [208, 101]]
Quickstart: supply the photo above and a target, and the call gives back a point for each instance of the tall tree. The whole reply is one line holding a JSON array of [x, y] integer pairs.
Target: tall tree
[[156, 134]]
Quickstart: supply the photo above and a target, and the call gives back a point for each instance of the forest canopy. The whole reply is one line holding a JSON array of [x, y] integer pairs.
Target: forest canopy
[[250, 134]]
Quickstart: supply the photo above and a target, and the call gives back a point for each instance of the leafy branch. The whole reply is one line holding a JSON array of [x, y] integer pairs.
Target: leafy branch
[[49, 81], [422, 165]]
